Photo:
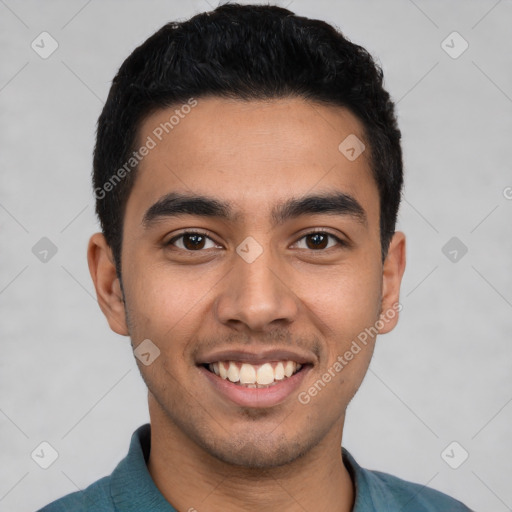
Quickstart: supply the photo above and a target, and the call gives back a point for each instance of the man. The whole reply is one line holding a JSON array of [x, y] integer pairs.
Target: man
[[248, 173]]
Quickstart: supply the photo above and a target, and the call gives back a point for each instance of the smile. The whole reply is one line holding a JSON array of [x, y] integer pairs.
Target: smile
[[263, 385], [254, 376]]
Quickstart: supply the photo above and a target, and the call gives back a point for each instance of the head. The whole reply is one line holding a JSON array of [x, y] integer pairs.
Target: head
[[236, 124]]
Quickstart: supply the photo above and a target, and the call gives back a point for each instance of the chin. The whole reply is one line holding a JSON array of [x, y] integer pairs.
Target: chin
[[257, 455], [257, 450]]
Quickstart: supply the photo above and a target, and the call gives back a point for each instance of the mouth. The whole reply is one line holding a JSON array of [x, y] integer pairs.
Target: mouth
[[254, 376], [256, 380]]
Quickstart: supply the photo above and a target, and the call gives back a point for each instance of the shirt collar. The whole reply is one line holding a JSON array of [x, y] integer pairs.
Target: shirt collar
[[132, 488], [371, 493]]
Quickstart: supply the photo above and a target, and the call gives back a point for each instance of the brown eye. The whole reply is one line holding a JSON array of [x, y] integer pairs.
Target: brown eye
[[194, 241], [191, 241], [318, 240]]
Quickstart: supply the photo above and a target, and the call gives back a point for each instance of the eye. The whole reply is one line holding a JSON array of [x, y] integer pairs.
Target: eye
[[191, 241], [317, 240], [195, 241]]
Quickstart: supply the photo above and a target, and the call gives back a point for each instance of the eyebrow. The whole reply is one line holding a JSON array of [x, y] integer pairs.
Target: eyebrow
[[175, 204]]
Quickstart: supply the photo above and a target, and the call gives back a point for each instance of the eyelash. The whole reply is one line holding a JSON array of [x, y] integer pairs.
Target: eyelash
[[340, 242]]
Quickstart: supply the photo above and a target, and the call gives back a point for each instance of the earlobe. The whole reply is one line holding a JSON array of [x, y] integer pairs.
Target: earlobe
[[108, 289], [392, 272]]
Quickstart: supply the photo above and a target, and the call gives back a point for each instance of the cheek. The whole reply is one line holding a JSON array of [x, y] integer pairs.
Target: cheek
[[345, 300], [162, 300]]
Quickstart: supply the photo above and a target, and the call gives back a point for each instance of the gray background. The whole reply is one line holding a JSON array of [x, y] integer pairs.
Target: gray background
[[443, 375]]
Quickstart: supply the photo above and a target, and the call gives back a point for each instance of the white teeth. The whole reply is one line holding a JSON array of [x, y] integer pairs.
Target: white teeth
[[233, 372], [279, 371], [248, 374], [252, 376], [265, 374], [222, 370], [289, 368]]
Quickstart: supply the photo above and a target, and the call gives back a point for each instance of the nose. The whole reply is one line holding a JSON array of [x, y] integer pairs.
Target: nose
[[256, 294]]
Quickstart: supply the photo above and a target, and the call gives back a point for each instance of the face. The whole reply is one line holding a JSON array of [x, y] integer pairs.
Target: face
[[274, 270]]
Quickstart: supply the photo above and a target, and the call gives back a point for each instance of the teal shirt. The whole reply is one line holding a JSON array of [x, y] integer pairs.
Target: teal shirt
[[130, 488]]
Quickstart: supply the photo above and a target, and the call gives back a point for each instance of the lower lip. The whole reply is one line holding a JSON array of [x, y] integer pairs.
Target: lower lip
[[257, 397]]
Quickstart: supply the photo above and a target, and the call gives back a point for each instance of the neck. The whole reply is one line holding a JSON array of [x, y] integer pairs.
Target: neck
[[192, 479]]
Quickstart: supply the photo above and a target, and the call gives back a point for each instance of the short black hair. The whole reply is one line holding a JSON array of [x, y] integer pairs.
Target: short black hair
[[248, 52]]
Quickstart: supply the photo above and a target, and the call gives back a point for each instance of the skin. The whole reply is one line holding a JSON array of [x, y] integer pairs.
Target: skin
[[254, 155]]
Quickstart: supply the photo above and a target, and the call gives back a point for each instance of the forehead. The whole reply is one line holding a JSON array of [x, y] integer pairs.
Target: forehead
[[252, 154]]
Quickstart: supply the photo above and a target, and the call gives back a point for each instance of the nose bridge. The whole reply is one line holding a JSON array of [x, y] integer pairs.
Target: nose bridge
[[254, 292]]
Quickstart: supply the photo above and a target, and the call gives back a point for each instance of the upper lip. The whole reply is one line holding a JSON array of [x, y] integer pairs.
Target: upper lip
[[256, 356]]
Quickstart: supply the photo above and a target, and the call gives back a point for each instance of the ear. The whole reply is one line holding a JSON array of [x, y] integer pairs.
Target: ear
[[392, 272], [106, 282]]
